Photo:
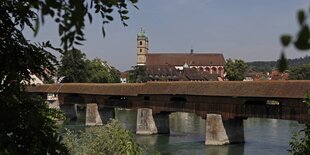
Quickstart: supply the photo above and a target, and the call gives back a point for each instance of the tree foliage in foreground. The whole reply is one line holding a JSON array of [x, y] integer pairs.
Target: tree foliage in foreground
[[26, 123], [300, 144], [235, 70], [102, 140], [301, 41], [69, 15]]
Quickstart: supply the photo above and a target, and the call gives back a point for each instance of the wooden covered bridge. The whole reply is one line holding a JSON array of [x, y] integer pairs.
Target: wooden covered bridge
[[224, 105]]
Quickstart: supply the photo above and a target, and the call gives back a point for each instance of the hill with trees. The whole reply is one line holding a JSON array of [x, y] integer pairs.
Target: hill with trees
[[267, 66]]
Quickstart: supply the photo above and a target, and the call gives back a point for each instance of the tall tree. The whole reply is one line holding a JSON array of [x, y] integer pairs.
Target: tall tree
[[100, 72], [96, 71], [73, 66], [235, 70], [114, 75], [138, 74], [26, 124]]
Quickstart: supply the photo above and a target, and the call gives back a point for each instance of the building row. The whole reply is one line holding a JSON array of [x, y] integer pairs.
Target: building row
[[179, 66]]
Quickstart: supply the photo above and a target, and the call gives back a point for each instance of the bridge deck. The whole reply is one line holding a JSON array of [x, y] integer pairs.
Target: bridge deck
[[271, 89]]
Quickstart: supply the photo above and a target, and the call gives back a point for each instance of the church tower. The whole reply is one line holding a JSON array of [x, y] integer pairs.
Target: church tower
[[142, 48]]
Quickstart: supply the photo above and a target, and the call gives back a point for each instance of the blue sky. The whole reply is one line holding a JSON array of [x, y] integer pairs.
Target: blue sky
[[240, 29]]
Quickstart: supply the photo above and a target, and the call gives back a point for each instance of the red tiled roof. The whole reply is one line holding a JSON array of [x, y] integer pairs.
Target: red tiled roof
[[179, 59], [124, 75]]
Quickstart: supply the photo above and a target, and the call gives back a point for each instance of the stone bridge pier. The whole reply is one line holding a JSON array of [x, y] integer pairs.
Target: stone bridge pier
[[220, 132], [149, 123], [94, 115], [98, 115]]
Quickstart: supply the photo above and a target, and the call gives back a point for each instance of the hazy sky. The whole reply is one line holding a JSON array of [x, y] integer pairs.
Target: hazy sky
[[240, 29]]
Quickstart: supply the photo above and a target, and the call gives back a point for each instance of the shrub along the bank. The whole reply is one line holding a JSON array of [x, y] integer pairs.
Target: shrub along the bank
[[109, 139]]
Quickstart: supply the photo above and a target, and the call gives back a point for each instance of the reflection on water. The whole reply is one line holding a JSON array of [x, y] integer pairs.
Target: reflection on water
[[262, 136]]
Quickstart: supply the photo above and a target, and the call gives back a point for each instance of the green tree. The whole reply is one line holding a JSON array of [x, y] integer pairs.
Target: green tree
[[138, 74], [235, 70], [28, 125], [300, 145], [114, 75], [26, 122], [96, 71], [109, 139], [100, 72], [73, 66], [300, 72]]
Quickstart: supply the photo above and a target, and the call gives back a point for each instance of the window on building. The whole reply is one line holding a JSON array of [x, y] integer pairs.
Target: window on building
[[140, 50], [214, 70], [208, 69], [140, 42]]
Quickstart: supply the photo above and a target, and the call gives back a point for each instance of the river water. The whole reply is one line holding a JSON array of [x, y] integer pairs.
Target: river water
[[262, 136]]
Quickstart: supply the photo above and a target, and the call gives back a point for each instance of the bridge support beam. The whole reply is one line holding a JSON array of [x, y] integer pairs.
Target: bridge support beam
[[96, 116], [219, 132], [149, 123], [70, 111]]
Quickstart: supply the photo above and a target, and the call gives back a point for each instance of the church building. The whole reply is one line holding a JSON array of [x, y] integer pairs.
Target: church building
[[206, 63]]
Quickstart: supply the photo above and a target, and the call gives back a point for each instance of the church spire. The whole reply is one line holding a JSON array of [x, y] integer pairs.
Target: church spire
[[142, 47]]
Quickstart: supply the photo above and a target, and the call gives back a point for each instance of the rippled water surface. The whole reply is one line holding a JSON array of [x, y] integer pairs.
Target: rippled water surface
[[262, 136]]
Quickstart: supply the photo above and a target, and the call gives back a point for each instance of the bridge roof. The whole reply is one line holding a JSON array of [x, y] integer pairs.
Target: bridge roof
[[272, 89], [89, 88]]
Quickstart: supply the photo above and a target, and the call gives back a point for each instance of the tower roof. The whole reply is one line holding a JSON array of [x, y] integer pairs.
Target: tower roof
[[142, 35]]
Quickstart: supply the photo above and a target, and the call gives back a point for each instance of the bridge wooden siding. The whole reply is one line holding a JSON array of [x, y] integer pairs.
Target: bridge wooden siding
[[230, 99]]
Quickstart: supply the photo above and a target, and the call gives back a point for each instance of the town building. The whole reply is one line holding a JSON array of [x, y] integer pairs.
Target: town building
[[276, 75], [173, 65], [124, 77]]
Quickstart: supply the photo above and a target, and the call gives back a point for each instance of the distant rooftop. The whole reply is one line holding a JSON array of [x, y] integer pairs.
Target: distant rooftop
[[191, 59]]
